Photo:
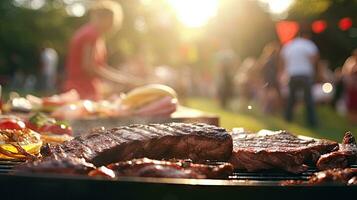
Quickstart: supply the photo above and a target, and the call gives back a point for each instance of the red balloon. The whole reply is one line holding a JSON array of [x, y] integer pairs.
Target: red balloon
[[319, 26], [286, 30], [345, 23]]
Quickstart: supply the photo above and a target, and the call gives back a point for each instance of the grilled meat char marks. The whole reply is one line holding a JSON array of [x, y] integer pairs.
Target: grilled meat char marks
[[145, 167], [280, 150], [345, 156], [198, 142], [346, 176], [59, 163]]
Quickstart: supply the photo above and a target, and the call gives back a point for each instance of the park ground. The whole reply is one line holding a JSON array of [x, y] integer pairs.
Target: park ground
[[331, 125]]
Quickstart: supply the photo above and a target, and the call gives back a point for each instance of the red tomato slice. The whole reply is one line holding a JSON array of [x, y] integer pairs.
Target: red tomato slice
[[31, 126], [11, 124], [56, 129]]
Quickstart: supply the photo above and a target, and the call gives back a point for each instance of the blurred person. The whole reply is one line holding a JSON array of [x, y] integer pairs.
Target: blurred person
[[87, 59], [270, 72], [299, 57], [226, 61], [30, 83], [18, 79], [324, 75], [49, 62], [349, 72], [338, 96], [247, 81], [323, 72]]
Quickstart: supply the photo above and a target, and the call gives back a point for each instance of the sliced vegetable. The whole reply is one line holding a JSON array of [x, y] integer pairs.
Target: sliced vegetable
[[11, 123], [44, 124]]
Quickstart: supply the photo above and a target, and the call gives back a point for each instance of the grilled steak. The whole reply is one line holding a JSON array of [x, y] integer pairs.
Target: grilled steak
[[345, 156], [277, 150], [198, 142], [346, 176], [145, 167], [58, 163]]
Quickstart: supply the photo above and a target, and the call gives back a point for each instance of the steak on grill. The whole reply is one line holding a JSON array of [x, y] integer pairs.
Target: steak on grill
[[58, 163], [198, 142], [345, 156], [346, 176], [145, 167], [277, 150]]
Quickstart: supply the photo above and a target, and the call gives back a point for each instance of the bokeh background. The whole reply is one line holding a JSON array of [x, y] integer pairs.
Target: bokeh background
[[183, 36]]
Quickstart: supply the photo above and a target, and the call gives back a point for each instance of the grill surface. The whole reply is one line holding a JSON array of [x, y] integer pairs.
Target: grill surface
[[7, 166], [242, 185]]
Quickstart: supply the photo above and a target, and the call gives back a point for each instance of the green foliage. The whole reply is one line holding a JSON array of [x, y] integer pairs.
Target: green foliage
[[151, 29], [24, 31], [335, 45]]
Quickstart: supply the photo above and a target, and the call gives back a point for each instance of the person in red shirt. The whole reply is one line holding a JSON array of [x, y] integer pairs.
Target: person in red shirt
[[87, 57]]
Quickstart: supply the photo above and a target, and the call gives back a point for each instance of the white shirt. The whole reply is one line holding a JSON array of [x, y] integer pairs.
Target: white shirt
[[297, 56], [49, 59]]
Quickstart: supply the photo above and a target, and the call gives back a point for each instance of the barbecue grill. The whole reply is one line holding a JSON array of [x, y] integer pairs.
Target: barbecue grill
[[240, 185]]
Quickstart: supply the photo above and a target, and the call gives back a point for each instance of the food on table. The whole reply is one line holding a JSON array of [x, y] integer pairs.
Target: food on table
[[277, 150], [112, 108], [86, 109], [78, 110], [51, 130], [11, 122], [19, 144], [49, 104], [160, 108], [145, 167], [198, 142], [345, 156], [151, 100], [52, 138], [18, 104], [47, 125]]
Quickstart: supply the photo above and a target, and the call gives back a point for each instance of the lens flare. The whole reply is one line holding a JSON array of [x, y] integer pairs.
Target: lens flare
[[327, 88], [278, 6], [194, 13]]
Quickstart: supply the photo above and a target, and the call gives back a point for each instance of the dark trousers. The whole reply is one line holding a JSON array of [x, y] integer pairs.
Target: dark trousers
[[296, 84]]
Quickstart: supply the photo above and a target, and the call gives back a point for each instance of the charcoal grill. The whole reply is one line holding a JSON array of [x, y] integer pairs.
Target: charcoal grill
[[240, 185]]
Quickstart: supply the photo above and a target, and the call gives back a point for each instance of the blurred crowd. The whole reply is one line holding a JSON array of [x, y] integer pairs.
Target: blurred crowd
[[285, 75], [277, 81]]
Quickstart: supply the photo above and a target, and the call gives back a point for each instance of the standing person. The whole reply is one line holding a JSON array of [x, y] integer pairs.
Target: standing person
[[226, 66], [269, 68], [349, 72], [339, 88], [299, 57], [87, 59], [49, 61]]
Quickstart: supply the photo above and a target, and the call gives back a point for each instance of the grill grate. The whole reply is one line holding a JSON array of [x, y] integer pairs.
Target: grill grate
[[271, 175], [274, 175], [7, 167]]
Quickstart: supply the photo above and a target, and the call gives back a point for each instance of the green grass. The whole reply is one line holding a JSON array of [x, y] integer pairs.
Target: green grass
[[331, 125]]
